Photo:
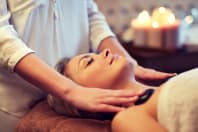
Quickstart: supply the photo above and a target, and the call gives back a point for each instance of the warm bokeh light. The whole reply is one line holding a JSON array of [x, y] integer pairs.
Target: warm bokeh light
[[160, 17], [163, 16], [189, 19], [155, 24], [143, 19], [171, 19], [144, 16]]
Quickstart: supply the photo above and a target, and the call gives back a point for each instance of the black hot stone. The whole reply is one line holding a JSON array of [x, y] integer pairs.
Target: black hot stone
[[144, 97]]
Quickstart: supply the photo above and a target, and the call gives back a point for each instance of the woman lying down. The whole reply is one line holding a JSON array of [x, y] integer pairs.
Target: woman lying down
[[172, 107]]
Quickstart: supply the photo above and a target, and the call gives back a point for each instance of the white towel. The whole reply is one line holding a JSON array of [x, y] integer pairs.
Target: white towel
[[178, 103]]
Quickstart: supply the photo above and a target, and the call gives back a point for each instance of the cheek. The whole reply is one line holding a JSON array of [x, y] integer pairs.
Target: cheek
[[97, 77], [105, 77]]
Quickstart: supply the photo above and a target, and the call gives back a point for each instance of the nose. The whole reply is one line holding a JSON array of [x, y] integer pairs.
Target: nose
[[106, 52]]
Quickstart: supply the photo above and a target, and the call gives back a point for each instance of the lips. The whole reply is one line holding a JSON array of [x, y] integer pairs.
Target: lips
[[113, 58]]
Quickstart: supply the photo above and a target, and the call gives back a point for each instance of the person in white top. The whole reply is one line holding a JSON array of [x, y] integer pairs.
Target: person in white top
[[34, 35]]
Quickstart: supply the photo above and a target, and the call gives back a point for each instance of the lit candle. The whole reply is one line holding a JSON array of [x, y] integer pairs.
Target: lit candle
[[161, 30], [143, 19], [140, 26], [163, 16]]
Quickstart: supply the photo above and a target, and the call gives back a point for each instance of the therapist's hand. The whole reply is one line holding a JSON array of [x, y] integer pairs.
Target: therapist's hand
[[142, 73], [101, 100]]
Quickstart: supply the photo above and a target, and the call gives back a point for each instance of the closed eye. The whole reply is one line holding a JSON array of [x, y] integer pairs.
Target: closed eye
[[86, 60], [89, 61]]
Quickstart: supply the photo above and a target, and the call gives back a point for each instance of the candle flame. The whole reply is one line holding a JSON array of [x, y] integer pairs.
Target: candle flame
[[171, 19], [155, 24], [162, 10], [143, 20], [160, 17], [163, 16], [144, 16]]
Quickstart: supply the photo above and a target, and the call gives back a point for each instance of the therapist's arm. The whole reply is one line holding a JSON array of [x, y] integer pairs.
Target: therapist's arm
[[15, 56]]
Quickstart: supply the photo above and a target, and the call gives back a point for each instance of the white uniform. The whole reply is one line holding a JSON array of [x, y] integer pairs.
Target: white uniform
[[50, 28]]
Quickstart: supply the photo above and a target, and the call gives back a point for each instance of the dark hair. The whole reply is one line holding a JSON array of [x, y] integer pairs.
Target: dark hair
[[60, 66]]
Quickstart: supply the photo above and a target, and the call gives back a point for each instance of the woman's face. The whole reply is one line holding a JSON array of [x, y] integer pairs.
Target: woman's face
[[102, 70]]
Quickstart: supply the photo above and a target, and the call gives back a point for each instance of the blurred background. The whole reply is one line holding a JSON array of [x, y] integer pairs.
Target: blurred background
[[119, 13]]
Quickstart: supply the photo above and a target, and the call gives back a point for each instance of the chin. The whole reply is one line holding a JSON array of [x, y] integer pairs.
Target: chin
[[127, 70], [123, 74], [127, 65]]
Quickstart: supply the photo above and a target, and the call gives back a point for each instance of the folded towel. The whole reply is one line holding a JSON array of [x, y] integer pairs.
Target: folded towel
[[178, 103]]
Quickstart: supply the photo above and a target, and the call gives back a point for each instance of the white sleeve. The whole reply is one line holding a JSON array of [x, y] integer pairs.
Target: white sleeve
[[99, 28], [12, 48]]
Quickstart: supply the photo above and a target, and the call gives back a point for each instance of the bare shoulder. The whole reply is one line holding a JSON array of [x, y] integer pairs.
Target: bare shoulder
[[149, 108], [130, 119]]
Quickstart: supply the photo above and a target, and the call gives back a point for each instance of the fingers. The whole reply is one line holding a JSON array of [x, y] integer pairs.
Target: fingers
[[121, 97], [151, 74], [103, 100], [119, 100], [157, 74], [123, 93], [116, 102]]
